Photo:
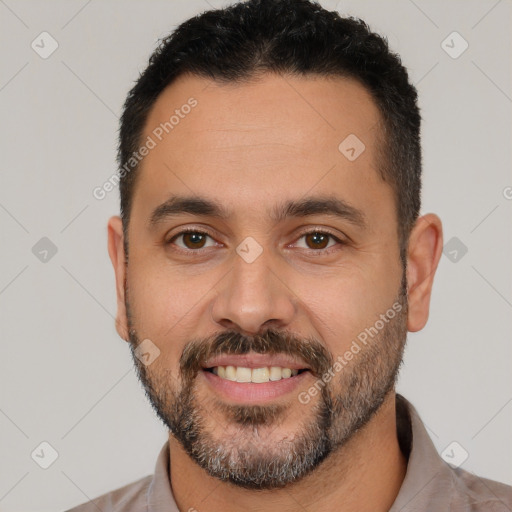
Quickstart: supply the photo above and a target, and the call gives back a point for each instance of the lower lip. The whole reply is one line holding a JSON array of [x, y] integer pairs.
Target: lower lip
[[251, 392]]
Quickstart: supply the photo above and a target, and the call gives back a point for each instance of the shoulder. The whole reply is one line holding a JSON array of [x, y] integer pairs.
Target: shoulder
[[431, 483], [479, 494], [130, 497]]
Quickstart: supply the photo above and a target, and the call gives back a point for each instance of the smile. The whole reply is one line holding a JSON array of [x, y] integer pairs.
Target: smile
[[256, 375]]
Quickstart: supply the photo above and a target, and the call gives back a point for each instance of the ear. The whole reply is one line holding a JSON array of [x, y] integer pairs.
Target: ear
[[117, 256], [424, 251]]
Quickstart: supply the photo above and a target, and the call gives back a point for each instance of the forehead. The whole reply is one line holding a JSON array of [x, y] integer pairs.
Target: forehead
[[244, 143]]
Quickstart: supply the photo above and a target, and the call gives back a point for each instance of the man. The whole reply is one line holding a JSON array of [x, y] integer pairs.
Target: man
[[269, 261]]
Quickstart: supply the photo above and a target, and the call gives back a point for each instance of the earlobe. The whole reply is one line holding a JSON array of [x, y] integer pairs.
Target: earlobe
[[118, 258], [424, 252]]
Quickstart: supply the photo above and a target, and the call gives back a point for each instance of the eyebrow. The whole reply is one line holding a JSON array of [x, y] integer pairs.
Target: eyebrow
[[202, 207]]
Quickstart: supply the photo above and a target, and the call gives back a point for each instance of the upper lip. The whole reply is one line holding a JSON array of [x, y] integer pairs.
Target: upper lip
[[256, 361]]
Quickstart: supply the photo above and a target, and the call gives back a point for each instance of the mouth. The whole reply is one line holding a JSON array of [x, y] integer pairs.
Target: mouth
[[254, 378]]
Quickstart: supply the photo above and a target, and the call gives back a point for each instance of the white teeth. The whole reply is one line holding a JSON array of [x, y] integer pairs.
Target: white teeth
[[275, 373], [260, 375], [286, 373], [257, 375], [230, 373], [243, 374]]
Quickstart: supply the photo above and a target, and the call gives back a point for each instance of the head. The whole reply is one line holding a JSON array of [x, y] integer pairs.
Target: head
[[286, 141], [297, 38]]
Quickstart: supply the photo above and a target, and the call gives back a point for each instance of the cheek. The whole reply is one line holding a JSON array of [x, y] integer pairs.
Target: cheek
[[166, 304], [343, 305]]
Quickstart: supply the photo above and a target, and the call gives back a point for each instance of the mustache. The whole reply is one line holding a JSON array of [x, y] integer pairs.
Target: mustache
[[309, 350]]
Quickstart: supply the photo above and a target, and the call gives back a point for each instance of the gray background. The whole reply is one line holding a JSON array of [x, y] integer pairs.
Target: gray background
[[66, 377]]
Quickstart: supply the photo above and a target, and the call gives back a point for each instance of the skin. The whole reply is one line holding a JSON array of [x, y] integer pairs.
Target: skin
[[251, 147]]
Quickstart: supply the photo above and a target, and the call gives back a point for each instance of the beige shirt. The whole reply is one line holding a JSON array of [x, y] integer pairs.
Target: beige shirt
[[430, 484]]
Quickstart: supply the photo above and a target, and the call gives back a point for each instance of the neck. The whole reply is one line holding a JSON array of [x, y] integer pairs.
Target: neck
[[364, 475]]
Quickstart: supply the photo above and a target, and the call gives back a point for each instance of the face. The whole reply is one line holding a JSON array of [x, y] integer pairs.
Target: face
[[255, 242]]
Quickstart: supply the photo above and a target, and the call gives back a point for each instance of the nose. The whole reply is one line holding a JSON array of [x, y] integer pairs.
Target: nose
[[253, 297]]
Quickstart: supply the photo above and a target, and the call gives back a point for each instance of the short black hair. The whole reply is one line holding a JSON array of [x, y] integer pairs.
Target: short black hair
[[288, 37]]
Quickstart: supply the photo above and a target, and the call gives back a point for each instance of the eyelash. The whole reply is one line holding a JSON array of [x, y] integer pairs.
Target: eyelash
[[198, 252]]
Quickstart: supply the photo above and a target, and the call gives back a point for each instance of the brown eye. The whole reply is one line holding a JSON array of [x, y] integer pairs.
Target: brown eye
[[190, 240], [194, 240], [317, 240]]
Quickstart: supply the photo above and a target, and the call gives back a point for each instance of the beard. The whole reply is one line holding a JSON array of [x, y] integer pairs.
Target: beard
[[245, 447]]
